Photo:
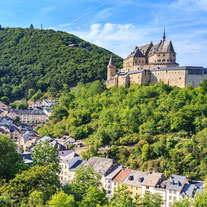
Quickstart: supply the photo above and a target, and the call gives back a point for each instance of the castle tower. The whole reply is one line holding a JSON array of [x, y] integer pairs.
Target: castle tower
[[111, 69]]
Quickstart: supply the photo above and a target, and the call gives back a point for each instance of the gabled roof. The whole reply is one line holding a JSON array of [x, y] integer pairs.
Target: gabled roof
[[154, 49], [29, 112], [122, 175], [112, 173], [100, 165], [175, 182], [64, 153], [153, 179], [136, 53], [166, 46], [69, 157], [135, 178], [145, 48], [188, 189]]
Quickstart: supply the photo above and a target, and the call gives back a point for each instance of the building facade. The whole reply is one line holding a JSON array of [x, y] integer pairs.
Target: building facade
[[153, 64], [30, 116]]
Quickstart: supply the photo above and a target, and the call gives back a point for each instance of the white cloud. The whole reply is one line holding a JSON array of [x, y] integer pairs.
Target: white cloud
[[119, 38], [122, 38], [190, 4]]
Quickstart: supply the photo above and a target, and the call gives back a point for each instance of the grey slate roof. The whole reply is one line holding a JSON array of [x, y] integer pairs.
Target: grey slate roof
[[68, 158], [154, 49], [166, 46], [175, 182], [111, 61], [178, 68], [29, 112], [136, 53], [188, 189], [100, 165], [135, 178], [132, 72], [145, 48], [112, 173]]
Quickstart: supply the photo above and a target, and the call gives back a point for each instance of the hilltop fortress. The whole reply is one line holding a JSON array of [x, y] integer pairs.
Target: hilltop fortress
[[153, 64]]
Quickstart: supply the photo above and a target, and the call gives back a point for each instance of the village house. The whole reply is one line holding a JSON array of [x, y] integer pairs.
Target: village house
[[120, 177], [48, 112], [30, 116], [66, 140], [109, 178], [34, 104], [101, 166], [48, 103], [134, 182], [175, 185], [68, 163], [3, 106], [155, 183]]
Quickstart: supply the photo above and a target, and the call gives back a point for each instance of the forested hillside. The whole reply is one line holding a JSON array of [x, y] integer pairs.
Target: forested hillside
[[32, 60], [165, 127]]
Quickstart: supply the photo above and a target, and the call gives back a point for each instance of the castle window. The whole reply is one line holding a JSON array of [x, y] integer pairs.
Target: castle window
[[163, 60], [163, 54], [170, 60], [158, 55], [180, 78]]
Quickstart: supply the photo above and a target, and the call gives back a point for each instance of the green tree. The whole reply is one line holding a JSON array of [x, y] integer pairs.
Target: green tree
[[204, 85], [122, 198], [5, 100], [38, 178], [31, 93], [61, 199], [84, 178], [44, 154], [5, 200], [94, 197], [10, 161], [200, 200], [36, 199], [182, 203], [151, 200]]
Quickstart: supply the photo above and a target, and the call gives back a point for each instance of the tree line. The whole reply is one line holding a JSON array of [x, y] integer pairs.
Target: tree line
[[149, 127], [36, 62]]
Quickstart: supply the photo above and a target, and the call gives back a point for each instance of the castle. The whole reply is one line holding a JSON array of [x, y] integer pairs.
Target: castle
[[153, 64]]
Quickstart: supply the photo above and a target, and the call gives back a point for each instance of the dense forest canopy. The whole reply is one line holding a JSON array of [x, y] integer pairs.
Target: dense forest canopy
[[34, 60], [165, 127]]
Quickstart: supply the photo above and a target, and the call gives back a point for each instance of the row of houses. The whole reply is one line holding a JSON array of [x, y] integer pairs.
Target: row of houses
[[139, 183], [44, 103], [32, 116]]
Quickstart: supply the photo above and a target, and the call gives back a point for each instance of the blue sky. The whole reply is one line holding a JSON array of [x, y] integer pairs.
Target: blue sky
[[119, 25]]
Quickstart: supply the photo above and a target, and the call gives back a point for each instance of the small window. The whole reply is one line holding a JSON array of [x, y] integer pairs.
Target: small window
[[170, 197], [147, 187]]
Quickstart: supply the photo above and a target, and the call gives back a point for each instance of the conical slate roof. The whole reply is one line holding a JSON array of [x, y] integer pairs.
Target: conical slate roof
[[111, 61]]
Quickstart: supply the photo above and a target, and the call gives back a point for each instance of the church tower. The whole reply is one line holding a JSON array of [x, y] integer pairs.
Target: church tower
[[111, 69]]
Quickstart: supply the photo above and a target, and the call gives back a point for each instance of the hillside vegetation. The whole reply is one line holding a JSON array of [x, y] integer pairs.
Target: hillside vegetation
[[165, 127], [34, 60]]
